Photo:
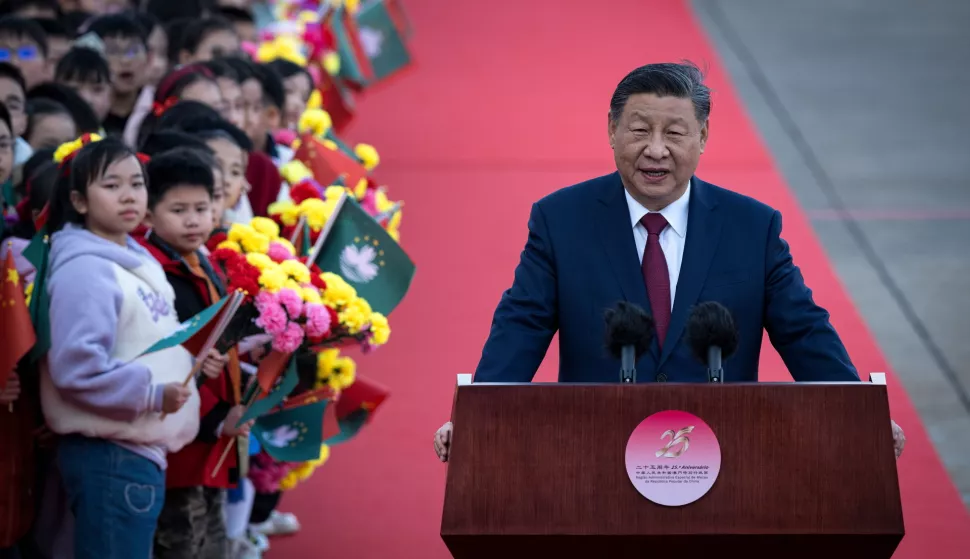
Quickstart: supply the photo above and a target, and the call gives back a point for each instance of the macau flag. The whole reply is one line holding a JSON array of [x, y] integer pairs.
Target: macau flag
[[259, 407], [294, 434], [354, 409], [381, 40], [354, 64], [360, 250], [193, 333]]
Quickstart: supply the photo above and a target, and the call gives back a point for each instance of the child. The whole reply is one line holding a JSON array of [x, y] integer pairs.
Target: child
[[157, 40], [227, 78], [23, 43], [86, 71], [59, 38], [180, 214], [243, 21], [188, 83], [109, 300], [39, 184], [206, 39], [13, 94], [30, 8], [82, 113], [231, 146], [273, 103], [127, 55], [49, 124], [298, 85]]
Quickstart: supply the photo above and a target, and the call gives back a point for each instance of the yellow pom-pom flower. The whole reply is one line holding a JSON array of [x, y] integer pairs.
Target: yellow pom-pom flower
[[273, 279], [288, 212], [295, 171], [311, 295], [308, 16], [338, 292], [28, 292], [330, 144], [355, 315], [379, 328], [260, 261], [266, 226], [296, 270], [314, 121], [333, 192], [368, 156], [68, 148], [292, 285], [285, 47], [316, 212], [331, 63], [361, 189], [316, 100], [352, 5], [336, 371]]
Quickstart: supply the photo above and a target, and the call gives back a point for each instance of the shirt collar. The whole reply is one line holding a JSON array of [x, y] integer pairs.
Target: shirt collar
[[675, 213]]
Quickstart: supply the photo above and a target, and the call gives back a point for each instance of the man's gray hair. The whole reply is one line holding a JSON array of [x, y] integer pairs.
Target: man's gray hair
[[684, 80]]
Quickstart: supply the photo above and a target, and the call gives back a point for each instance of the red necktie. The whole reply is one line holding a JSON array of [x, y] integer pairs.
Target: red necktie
[[654, 267]]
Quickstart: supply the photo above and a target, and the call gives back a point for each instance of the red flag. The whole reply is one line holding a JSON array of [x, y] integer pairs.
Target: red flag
[[326, 164], [363, 394], [270, 369], [17, 335]]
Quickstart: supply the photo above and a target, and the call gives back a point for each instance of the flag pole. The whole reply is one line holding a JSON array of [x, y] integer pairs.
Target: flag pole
[[299, 231], [327, 227]]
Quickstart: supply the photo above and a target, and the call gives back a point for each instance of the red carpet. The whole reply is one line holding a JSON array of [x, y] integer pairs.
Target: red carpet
[[509, 103]]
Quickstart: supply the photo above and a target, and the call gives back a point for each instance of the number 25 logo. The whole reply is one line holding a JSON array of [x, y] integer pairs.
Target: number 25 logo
[[677, 445]]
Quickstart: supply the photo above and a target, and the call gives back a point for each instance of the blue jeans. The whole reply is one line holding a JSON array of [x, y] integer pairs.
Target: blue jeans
[[115, 495]]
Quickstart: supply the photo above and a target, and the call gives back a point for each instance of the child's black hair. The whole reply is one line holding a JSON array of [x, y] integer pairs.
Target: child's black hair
[[55, 28], [169, 89], [166, 140], [197, 31], [221, 68], [236, 15], [40, 107], [273, 91], [12, 7], [12, 73], [209, 127], [287, 69], [77, 20], [5, 118], [245, 68], [120, 25], [147, 21], [38, 186], [84, 117], [88, 165], [168, 10], [84, 65], [175, 29], [178, 167], [23, 28], [35, 162]]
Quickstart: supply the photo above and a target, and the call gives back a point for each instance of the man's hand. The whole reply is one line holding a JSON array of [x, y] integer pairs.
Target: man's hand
[[442, 442], [899, 439], [174, 397], [229, 428], [214, 364], [11, 392]]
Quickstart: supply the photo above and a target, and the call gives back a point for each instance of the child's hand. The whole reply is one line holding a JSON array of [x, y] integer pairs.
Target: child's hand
[[214, 364], [174, 397], [229, 428], [11, 392]]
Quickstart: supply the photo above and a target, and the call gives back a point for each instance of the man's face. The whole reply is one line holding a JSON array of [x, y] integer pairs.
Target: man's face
[[12, 95], [657, 143], [26, 56], [128, 59]]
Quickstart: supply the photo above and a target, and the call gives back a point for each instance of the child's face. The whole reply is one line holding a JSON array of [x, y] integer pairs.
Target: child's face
[[51, 130], [57, 47], [235, 107], [246, 31], [232, 159], [6, 152], [183, 217], [128, 59], [158, 55], [13, 97], [218, 196], [297, 94], [26, 56], [205, 92], [97, 94], [116, 203], [252, 92], [215, 45]]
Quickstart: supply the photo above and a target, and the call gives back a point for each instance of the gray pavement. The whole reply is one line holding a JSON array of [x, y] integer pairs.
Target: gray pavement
[[863, 104]]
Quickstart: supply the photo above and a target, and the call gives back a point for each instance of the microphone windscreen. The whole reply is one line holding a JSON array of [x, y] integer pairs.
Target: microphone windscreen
[[628, 325], [711, 324]]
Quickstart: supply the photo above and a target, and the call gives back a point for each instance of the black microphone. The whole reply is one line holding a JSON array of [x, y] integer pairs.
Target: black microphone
[[712, 337], [629, 331]]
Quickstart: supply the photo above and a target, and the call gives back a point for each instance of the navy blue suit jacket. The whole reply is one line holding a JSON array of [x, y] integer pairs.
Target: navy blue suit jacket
[[581, 258]]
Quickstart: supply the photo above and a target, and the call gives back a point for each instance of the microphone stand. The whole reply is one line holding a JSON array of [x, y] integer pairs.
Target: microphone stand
[[715, 372], [628, 362]]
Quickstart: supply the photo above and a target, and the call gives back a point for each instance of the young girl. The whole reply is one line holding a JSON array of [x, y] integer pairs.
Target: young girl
[[188, 83], [118, 413]]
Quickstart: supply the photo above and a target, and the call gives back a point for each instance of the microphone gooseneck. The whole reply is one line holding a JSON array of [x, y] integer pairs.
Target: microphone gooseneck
[[629, 331], [712, 336]]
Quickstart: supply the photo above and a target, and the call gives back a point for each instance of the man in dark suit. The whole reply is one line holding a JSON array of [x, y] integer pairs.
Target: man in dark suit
[[654, 234]]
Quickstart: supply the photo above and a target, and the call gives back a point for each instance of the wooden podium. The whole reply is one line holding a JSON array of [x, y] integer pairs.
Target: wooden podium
[[538, 470]]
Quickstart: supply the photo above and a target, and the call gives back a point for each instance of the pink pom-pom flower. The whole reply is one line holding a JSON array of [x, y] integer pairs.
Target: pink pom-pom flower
[[318, 320], [272, 318], [288, 340], [292, 302]]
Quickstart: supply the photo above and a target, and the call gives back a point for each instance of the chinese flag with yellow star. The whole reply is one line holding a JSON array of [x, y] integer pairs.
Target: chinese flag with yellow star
[[16, 331]]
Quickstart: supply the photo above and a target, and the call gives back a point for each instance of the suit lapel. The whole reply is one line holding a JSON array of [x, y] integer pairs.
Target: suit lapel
[[703, 232], [616, 236]]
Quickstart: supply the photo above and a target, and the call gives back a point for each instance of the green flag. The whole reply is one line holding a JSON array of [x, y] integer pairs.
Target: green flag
[[192, 333], [292, 435], [287, 382], [349, 427], [37, 253], [360, 250], [350, 65], [381, 41]]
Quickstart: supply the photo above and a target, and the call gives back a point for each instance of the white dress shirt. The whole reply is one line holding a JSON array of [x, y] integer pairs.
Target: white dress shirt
[[672, 238]]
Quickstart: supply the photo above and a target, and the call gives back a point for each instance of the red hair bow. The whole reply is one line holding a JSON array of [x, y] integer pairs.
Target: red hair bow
[[143, 157], [158, 109]]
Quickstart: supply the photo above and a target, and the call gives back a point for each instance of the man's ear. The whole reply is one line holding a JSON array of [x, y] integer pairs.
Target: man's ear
[[705, 128], [611, 130]]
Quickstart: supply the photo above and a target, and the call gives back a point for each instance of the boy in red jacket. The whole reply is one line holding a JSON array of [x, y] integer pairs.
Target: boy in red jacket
[[191, 524]]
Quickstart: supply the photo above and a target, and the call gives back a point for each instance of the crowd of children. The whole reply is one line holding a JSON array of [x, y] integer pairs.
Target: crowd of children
[[137, 131]]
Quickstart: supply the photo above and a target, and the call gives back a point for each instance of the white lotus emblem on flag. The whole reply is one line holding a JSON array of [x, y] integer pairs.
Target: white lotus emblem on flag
[[371, 41], [282, 436], [357, 263]]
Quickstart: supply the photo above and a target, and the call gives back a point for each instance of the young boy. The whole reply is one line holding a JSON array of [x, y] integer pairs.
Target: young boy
[[24, 44], [87, 72], [273, 101], [127, 54], [191, 524], [59, 37]]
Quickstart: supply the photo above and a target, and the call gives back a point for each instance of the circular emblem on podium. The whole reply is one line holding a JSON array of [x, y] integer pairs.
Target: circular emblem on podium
[[673, 458]]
